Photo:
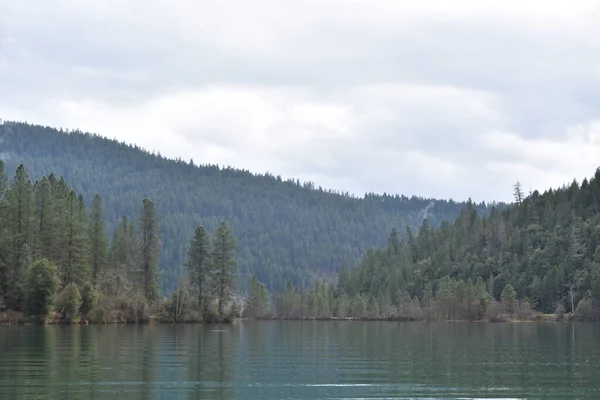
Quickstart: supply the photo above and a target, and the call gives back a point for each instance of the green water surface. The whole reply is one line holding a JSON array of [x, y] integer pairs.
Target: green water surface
[[301, 360]]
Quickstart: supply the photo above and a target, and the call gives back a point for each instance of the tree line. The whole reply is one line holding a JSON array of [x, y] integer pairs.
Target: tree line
[[56, 260], [541, 255], [286, 229]]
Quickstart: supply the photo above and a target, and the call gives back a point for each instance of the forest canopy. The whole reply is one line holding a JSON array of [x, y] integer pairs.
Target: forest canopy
[[286, 230], [57, 262], [541, 254]]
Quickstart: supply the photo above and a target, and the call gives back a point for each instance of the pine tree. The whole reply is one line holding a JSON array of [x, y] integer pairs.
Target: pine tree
[[75, 267], [394, 241], [509, 298], [44, 221], [20, 203], [149, 246], [223, 258], [97, 236], [257, 305], [4, 235], [3, 180], [518, 193], [121, 272], [59, 192], [198, 265]]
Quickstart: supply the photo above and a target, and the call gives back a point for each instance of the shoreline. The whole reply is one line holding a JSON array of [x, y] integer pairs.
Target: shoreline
[[14, 318]]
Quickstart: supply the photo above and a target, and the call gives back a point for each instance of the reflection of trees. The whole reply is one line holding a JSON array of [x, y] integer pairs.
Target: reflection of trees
[[149, 361], [475, 359], [99, 362], [210, 364]]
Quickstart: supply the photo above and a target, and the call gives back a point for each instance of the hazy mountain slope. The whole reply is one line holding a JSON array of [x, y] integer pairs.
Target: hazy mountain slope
[[285, 230]]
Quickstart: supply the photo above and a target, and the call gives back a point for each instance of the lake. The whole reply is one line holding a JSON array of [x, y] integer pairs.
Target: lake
[[301, 360]]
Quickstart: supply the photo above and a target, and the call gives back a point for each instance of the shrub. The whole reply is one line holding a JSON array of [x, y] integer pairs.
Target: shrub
[[135, 309], [41, 283], [587, 309], [97, 315], [89, 299], [68, 302]]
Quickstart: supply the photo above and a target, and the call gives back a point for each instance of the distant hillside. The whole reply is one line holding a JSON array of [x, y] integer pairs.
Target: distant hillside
[[541, 253], [286, 230]]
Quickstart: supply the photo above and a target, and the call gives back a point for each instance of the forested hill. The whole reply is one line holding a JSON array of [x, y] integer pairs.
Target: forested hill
[[541, 253], [286, 230]]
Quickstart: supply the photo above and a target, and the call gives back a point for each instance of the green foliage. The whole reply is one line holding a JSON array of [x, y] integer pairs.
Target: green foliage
[[48, 221], [19, 216], [257, 304], [89, 299], [121, 273], [41, 283], [509, 298], [199, 266], [68, 302], [543, 252], [97, 315], [175, 309], [286, 230], [97, 235], [75, 268], [3, 179], [224, 265], [291, 237], [149, 251]]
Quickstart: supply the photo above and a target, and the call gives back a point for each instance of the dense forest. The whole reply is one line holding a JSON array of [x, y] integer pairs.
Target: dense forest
[[56, 260], [286, 230], [540, 255]]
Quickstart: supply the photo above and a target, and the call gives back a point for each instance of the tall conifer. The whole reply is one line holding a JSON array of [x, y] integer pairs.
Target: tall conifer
[[97, 236], [198, 264], [149, 248], [224, 263]]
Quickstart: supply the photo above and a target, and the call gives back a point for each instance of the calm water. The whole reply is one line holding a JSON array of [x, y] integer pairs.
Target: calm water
[[301, 360]]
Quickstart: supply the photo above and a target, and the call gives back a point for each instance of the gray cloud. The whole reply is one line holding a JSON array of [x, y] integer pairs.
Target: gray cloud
[[413, 97]]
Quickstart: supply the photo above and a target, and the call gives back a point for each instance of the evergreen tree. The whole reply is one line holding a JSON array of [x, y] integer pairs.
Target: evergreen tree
[[269, 214], [75, 268], [4, 232], [120, 276], [3, 180], [20, 204], [89, 299], [394, 242], [224, 263], [149, 250], [257, 304], [198, 265], [509, 297], [44, 221], [60, 221], [97, 235], [518, 193]]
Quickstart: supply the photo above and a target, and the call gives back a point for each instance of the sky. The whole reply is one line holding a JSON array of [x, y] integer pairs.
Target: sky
[[446, 99]]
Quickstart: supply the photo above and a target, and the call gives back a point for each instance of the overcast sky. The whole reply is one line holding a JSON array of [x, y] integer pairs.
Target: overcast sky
[[435, 98]]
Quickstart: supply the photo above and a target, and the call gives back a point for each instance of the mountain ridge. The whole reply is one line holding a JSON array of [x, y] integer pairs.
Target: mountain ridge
[[287, 230]]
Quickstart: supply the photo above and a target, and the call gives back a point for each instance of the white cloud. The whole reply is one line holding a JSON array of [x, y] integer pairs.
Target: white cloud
[[445, 99], [545, 163]]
